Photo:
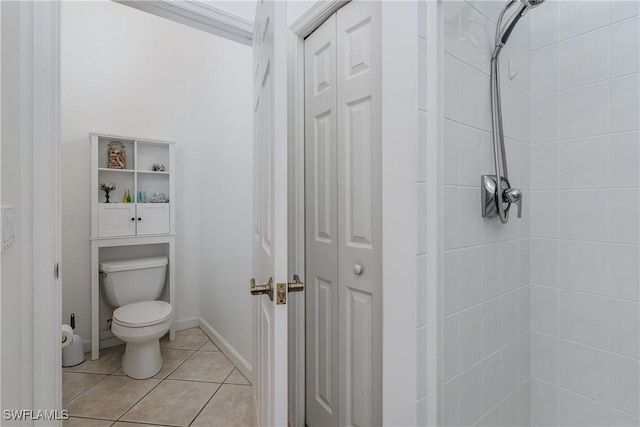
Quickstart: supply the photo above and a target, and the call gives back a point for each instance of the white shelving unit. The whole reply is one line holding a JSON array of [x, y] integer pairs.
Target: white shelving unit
[[138, 223]]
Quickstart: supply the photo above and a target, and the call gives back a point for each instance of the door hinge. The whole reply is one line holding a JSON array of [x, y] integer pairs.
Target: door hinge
[[56, 270]]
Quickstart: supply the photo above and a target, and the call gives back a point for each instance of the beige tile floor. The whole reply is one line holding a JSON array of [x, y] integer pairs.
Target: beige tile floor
[[197, 386]]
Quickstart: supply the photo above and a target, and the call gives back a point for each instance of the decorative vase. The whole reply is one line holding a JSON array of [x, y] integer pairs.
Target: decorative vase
[[106, 196]]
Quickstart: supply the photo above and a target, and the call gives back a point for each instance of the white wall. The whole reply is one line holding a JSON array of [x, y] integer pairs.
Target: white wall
[[11, 294], [485, 267], [585, 212], [125, 72]]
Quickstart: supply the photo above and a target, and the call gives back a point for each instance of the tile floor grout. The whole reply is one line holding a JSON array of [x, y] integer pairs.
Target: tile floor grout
[[163, 379]]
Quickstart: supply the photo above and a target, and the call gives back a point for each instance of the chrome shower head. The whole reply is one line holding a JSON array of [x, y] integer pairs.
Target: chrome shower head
[[502, 35]]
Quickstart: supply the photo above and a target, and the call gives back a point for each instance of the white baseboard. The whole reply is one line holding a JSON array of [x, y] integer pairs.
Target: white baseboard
[[243, 366], [188, 323]]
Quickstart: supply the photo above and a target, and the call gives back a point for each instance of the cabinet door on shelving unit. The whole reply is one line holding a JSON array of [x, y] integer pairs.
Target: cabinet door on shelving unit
[[116, 219], [153, 218]]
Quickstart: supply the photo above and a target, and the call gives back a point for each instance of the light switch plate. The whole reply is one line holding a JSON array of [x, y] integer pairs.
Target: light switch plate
[[8, 227]]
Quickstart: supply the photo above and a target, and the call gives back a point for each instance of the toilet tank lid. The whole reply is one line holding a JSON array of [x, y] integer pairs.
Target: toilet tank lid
[[133, 264]]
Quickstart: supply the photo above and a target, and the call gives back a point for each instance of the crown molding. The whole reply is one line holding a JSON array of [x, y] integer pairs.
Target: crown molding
[[198, 15], [315, 16]]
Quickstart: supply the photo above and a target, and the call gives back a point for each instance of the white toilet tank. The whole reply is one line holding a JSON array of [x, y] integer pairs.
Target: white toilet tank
[[132, 280]]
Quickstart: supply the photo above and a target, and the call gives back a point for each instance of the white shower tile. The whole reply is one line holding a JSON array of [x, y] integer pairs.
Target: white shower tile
[[510, 373], [544, 261], [625, 159], [584, 111], [473, 99], [421, 171], [493, 273], [544, 166], [524, 261], [451, 405], [451, 346], [545, 25], [509, 408], [470, 144], [544, 309], [584, 215], [524, 358], [491, 326], [544, 118], [451, 238], [423, 28], [578, 17], [625, 44], [452, 131], [624, 271], [471, 395], [584, 369], [624, 330], [581, 59], [423, 62], [585, 162], [491, 381], [470, 218], [545, 64], [470, 336], [622, 9], [510, 264], [476, 38], [422, 373], [511, 115], [451, 282], [524, 404], [470, 276], [421, 218], [625, 103], [584, 266], [584, 318], [509, 316], [619, 418], [625, 210], [544, 404], [421, 290], [452, 87], [544, 357], [624, 387], [578, 411], [524, 309]]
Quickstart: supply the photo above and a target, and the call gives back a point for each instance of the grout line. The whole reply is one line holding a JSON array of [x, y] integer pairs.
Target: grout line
[[559, 337], [205, 405], [580, 291]]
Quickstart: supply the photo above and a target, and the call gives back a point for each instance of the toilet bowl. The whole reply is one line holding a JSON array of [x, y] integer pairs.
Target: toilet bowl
[[140, 319], [140, 325]]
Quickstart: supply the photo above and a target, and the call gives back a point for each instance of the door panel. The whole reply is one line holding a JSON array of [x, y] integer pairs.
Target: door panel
[[343, 219], [359, 213], [116, 219], [321, 197], [152, 218], [270, 207]]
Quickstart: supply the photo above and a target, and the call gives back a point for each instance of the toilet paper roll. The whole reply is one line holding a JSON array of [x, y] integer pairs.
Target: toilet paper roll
[[67, 335]]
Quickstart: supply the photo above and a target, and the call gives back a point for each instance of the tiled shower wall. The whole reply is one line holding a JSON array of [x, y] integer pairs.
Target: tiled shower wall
[[486, 286], [585, 213]]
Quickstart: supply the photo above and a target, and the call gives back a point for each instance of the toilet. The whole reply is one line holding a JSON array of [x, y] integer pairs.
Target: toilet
[[133, 287]]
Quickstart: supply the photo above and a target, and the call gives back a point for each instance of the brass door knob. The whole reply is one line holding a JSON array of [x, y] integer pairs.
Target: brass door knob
[[262, 289]]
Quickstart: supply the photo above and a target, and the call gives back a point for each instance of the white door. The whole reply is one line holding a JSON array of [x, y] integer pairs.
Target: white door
[[321, 229], [270, 207], [343, 219]]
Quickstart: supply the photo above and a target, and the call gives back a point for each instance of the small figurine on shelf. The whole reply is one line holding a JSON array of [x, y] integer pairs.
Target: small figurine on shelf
[[158, 167], [107, 187], [158, 198]]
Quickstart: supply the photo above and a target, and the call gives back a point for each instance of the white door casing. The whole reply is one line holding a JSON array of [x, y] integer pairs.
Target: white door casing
[[344, 225], [270, 207]]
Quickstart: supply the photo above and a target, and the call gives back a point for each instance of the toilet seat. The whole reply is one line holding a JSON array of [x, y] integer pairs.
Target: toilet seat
[[141, 314]]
